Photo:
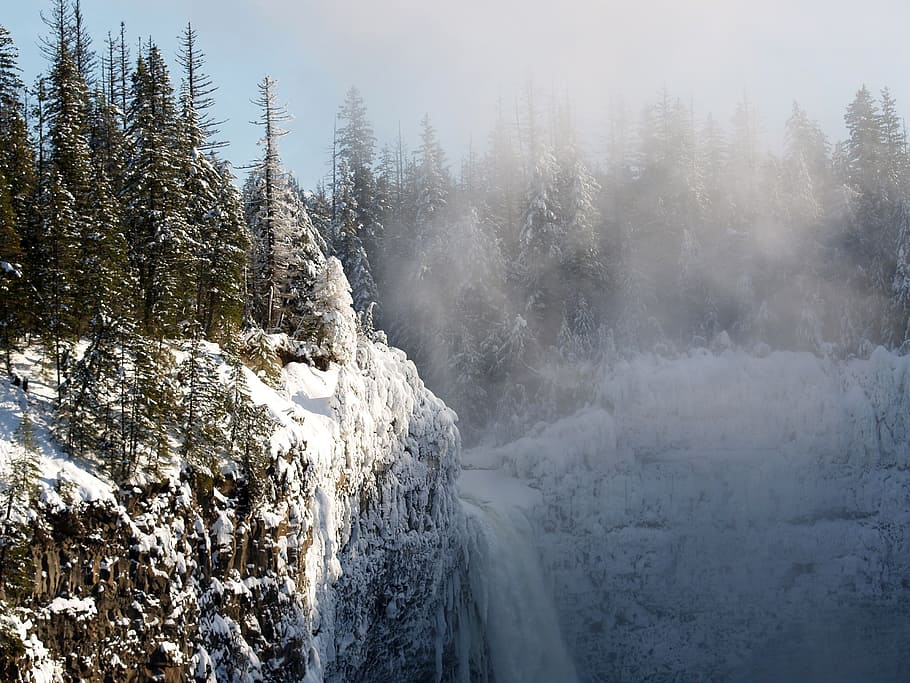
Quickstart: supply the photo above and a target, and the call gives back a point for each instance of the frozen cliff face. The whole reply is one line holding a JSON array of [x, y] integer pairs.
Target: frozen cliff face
[[346, 571], [728, 517]]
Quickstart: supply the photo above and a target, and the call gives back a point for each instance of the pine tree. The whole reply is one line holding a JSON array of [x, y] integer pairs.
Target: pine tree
[[431, 180], [218, 235], [347, 231], [196, 91], [153, 403], [356, 193], [326, 317], [16, 156], [20, 487], [901, 284], [16, 187], [83, 55], [95, 396], [202, 407], [895, 161], [286, 249], [580, 267], [541, 245], [155, 203], [864, 145], [59, 249], [249, 429]]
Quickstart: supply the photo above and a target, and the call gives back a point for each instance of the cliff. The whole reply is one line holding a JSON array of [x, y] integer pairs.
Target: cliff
[[345, 570]]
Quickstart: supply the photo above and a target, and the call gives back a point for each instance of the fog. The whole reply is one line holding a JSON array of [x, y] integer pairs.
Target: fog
[[652, 290], [454, 60]]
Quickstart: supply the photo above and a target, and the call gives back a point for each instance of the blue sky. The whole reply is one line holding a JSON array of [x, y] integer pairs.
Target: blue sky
[[454, 59]]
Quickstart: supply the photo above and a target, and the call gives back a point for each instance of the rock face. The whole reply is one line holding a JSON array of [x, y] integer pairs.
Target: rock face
[[346, 572]]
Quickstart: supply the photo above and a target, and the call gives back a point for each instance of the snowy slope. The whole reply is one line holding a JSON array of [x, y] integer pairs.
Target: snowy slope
[[58, 471], [728, 517]]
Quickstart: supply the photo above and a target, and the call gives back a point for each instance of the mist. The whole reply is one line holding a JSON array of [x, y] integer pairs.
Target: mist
[[659, 309], [691, 350]]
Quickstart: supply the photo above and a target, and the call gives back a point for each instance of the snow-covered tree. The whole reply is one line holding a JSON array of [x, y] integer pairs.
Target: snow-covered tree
[[154, 201], [286, 248], [249, 429], [347, 233], [19, 487], [202, 407]]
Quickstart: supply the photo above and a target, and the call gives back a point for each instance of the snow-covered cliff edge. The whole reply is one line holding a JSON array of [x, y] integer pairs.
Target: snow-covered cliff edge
[[345, 572]]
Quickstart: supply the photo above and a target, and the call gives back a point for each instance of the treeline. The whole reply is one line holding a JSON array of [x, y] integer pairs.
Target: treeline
[[508, 277], [125, 246]]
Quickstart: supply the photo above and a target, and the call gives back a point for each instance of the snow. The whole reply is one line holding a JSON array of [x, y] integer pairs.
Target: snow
[[691, 519], [58, 472], [310, 388], [724, 515], [81, 609], [12, 269]]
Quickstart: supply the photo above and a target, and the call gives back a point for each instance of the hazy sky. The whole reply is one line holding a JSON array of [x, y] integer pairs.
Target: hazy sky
[[454, 59]]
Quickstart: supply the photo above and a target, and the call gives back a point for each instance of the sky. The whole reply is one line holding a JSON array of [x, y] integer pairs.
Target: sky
[[457, 59]]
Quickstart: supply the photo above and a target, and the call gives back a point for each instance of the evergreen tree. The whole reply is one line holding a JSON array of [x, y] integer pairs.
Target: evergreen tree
[[196, 91], [20, 486], [59, 249], [286, 249], [895, 162], [347, 230], [96, 395], [580, 267], [155, 203], [901, 284], [153, 403], [431, 180], [16, 157], [326, 315], [202, 407], [864, 145], [16, 188], [357, 206], [540, 249], [249, 429]]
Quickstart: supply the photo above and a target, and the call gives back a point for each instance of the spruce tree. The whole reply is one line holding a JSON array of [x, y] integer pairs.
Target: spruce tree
[[202, 410], [347, 232], [20, 486], [355, 191], [155, 202], [95, 397], [864, 145], [249, 429], [286, 250], [16, 187], [197, 89], [214, 211]]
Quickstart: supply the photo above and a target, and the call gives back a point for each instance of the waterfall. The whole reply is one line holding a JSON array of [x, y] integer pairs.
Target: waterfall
[[515, 620]]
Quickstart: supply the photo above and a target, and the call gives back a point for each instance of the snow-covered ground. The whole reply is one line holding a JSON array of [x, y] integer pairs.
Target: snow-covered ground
[[725, 517], [58, 472]]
